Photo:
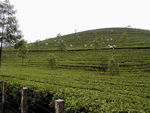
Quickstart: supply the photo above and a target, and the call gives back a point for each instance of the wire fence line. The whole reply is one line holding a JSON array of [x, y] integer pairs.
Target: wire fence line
[[10, 104], [22, 105]]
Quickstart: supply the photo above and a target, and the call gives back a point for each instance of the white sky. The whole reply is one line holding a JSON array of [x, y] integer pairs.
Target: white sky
[[41, 19]]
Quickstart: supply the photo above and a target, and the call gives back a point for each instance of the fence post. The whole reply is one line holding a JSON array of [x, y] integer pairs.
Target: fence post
[[59, 106], [4, 92], [24, 106], [4, 96]]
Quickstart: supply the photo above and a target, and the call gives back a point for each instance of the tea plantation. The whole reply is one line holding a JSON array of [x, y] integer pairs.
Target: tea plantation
[[103, 70]]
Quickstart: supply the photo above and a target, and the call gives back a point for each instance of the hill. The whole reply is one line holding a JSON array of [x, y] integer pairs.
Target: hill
[[98, 38], [90, 77]]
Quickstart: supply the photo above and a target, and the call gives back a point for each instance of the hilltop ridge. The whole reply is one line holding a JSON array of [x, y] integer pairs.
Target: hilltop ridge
[[103, 38]]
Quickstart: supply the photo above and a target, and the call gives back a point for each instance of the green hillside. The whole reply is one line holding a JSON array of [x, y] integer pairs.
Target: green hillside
[[120, 37], [91, 79]]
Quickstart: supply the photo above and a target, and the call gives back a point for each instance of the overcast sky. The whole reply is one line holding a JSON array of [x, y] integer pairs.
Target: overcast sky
[[41, 19]]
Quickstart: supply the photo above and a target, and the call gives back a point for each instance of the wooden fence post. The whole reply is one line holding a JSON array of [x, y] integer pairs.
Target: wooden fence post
[[4, 96], [4, 92], [59, 106], [24, 106]]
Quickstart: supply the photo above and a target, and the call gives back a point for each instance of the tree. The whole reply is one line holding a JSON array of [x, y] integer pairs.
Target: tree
[[52, 60], [61, 43], [20, 44], [36, 44], [22, 49], [9, 32]]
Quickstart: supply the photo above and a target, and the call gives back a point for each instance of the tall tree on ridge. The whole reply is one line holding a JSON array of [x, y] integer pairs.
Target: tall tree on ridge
[[9, 33]]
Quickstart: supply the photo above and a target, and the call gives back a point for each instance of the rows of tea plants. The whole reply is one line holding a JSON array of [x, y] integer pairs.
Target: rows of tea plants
[[99, 93], [128, 59], [132, 38], [84, 90]]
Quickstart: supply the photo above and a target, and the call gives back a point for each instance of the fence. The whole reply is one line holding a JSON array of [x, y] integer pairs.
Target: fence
[[59, 104]]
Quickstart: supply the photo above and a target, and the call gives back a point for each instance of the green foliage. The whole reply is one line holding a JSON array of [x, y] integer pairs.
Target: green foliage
[[21, 46], [10, 33], [21, 43], [123, 37], [61, 45], [8, 23], [113, 66], [22, 52], [52, 60], [104, 62], [75, 80], [96, 44], [37, 44]]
